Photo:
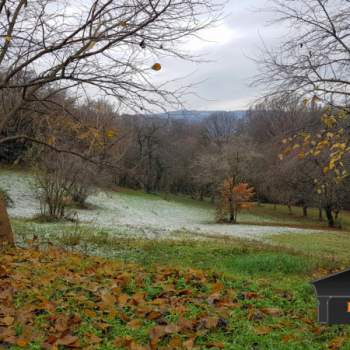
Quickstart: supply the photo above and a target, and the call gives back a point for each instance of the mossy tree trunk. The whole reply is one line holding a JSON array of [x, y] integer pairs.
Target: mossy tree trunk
[[6, 233]]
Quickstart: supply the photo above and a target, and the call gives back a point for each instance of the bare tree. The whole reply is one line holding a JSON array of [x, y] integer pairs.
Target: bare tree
[[220, 127], [93, 47], [314, 58]]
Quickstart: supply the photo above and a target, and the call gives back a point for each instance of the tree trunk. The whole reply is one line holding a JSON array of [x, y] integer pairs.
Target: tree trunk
[[6, 233], [232, 212], [304, 211], [201, 195], [289, 209], [336, 214], [329, 214], [320, 214]]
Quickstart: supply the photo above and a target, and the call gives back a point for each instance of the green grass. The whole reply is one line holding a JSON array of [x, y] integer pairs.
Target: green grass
[[279, 214], [169, 197], [277, 273], [332, 245], [277, 276]]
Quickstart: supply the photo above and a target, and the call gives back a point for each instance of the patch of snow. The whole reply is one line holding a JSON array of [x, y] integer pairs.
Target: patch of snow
[[151, 217]]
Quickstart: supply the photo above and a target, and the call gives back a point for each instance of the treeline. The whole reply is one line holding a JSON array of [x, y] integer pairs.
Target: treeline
[[180, 156]]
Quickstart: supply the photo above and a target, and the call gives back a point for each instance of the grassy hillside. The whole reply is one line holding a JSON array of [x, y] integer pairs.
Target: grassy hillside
[[153, 216], [279, 214], [208, 290]]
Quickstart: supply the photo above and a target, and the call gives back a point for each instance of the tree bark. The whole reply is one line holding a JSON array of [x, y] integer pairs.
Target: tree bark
[[336, 214], [304, 211], [329, 214], [6, 233], [320, 214]]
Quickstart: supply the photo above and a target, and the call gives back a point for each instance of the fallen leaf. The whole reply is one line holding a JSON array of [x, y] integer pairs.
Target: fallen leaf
[[93, 339], [68, 340], [175, 342], [134, 324], [188, 344], [336, 343], [216, 344], [22, 342], [171, 328], [272, 311], [211, 322], [262, 330], [153, 315], [90, 313], [123, 299], [7, 321]]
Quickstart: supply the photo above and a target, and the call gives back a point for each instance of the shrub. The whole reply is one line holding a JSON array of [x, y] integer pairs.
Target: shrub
[[233, 198], [61, 181]]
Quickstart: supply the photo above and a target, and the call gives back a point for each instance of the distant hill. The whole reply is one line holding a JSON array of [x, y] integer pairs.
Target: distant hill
[[197, 116]]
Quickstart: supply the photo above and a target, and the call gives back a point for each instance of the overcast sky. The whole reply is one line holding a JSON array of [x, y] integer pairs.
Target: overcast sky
[[223, 83]]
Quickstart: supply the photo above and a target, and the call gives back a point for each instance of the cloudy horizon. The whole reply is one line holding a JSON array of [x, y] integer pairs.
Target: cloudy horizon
[[222, 81]]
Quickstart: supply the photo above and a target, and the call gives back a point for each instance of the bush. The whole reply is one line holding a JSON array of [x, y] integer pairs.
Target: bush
[[53, 183], [62, 181]]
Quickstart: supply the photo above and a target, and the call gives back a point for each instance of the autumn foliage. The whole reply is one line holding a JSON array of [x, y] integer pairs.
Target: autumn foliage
[[57, 301], [233, 198]]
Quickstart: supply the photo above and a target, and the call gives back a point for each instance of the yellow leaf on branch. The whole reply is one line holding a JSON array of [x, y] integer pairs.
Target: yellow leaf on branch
[[157, 67]]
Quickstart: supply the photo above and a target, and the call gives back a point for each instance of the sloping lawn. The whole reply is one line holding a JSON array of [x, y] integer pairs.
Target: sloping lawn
[[333, 245], [152, 216], [280, 214]]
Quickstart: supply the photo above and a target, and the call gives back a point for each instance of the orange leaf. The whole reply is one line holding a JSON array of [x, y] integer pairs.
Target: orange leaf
[[157, 332], [217, 287], [156, 67], [108, 299], [211, 322], [175, 342], [262, 330], [336, 343], [93, 339], [7, 321], [188, 344], [69, 340], [216, 344], [123, 299], [22, 342], [90, 313], [134, 324], [153, 315], [272, 311], [171, 328]]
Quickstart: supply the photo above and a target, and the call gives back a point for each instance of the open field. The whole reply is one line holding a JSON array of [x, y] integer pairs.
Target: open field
[[281, 214], [259, 274], [134, 213]]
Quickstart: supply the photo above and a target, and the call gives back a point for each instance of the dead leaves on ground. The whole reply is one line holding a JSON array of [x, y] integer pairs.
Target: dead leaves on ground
[[64, 301], [60, 300]]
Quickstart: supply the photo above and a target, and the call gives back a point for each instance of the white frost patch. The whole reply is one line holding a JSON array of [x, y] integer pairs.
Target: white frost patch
[[20, 187], [148, 216]]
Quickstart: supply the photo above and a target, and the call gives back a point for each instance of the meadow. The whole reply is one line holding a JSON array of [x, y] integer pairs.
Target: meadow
[[210, 289]]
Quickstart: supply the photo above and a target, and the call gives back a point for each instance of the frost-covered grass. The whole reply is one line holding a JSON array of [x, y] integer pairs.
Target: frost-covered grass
[[134, 213]]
